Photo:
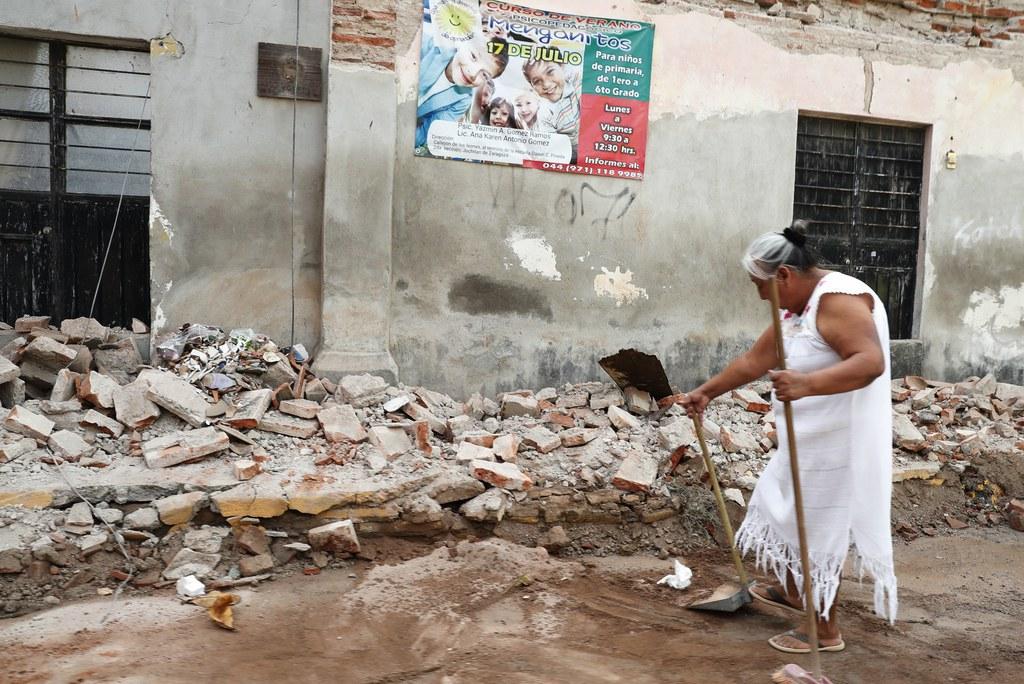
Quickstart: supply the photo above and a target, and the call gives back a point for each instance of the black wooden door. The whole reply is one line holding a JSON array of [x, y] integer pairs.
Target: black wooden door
[[74, 181], [859, 184]]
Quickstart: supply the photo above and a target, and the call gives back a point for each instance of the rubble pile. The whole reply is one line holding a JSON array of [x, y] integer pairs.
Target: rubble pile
[[236, 439]]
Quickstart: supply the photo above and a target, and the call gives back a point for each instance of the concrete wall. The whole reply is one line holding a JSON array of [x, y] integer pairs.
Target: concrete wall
[[221, 241], [505, 278]]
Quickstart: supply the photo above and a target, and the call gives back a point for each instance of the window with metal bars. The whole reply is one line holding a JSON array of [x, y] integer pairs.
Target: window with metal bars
[[74, 138], [859, 184]]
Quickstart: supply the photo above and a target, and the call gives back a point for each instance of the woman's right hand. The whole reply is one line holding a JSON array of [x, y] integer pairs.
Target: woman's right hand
[[695, 402]]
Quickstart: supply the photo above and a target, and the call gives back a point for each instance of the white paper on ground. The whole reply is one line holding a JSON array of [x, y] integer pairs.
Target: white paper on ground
[[681, 578], [190, 587]]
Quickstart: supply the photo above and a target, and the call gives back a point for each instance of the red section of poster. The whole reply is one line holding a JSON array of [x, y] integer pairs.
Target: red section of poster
[[613, 135]]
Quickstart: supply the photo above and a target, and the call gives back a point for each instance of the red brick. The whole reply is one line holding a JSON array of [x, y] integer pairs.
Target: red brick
[[1002, 13], [976, 10], [1001, 36], [940, 27], [383, 15], [927, 4], [986, 43], [346, 11], [729, 14], [953, 6], [378, 41]]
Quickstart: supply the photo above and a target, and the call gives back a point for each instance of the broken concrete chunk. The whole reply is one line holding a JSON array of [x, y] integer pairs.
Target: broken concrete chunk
[[131, 406], [751, 400], [314, 390], [259, 498], [246, 469], [506, 448], [418, 412], [905, 435], [453, 486], [478, 437], [49, 353], [180, 508], [69, 446], [35, 373], [621, 419], [79, 519], [469, 451], [504, 475], [87, 331], [23, 422], [250, 566], [279, 423], [515, 405], [279, 373], [16, 449], [335, 538], [490, 506], [678, 433], [638, 401], [95, 419], [250, 407], [98, 390], [738, 440], [83, 359], [362, 390], [64, 385], [145, 518], [8, 371], [574, 437], [54, 408], [637, 473], [474, 406], [27, 323], [573, 400], [915, 470], [180, 447], [91, 543], [605, 398], [392, 441], [189, 562], [177, 396], [460, 425], [12, 393], [300, 408], [341, 424], [541, 439]]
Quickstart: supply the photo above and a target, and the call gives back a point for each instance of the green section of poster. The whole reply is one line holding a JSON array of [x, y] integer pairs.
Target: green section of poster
[[620, 73]]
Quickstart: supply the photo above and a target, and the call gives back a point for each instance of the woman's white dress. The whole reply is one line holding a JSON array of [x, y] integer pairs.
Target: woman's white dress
[[844, 447]]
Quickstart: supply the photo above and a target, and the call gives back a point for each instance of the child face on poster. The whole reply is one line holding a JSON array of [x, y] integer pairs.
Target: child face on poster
[[546, 78], [502, 114], [527, 105], [473, 65]]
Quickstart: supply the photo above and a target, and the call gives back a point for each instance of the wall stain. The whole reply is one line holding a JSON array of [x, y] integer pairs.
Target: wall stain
[[480, 295]]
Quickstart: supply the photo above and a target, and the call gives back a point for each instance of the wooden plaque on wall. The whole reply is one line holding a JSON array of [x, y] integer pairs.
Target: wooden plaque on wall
[[277, 71]]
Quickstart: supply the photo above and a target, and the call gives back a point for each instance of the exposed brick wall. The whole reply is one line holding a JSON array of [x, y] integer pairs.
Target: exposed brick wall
[[363, 32]]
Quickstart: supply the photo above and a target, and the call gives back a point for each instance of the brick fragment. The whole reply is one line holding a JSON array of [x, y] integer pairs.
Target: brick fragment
[[180, 508], [469, 451], [336, 538], [621, 419], [541, 439], [64, 385], [516, 405], [180, 447], [23, 422], [131, 406], [751, 400], [8, 371], [506, 448], [250, 407], [341, 424], [177, 396], [97, 420], [16, 448], [362, 390], [504, 475], [87, 331], [392, 441], [579, 436], [279, 423], [25, 324], [246, 469], [300, 408], [69, 446], [98, 390], [637, 473], [250, 566]]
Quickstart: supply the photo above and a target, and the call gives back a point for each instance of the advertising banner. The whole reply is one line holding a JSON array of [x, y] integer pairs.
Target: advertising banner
[[506, 84]]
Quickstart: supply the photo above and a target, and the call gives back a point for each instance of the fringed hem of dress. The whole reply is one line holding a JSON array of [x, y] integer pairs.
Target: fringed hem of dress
[[774, 555]]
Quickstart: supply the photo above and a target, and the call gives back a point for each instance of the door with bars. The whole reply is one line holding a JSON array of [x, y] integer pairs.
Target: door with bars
[[74, 161], [859, 184]]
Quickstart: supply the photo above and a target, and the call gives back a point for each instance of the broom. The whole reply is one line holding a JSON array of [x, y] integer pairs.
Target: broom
[[794, 674]]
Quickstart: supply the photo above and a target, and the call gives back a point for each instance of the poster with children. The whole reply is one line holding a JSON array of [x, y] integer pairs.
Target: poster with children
[[506, 84]]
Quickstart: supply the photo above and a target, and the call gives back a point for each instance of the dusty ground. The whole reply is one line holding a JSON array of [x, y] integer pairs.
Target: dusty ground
[[492, 611]]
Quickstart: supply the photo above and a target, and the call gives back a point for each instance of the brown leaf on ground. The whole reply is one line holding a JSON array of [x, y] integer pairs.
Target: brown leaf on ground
[[218, 607]]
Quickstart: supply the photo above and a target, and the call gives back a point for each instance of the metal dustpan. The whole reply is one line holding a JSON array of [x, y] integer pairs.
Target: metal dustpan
[[726, 598], [632, 368]]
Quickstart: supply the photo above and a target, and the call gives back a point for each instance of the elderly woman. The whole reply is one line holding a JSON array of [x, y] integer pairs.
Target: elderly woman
[[837, 349]]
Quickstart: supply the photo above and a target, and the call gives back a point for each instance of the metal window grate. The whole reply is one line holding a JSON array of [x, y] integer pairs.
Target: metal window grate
[[860, 185]]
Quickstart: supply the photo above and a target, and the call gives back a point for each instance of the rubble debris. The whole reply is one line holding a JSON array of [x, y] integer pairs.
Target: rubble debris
[[513, 405], [23, 422], [69, 445], [506, 447], [98, 390], [179, 447], [87, 331], [131, 406], [504, 475], [101, 423], [468, 451], [490, 506], [16, 448], [750, 400], [177, 396], [282, 424], [188, 562], [27, 324], [341, 424], [336, 538], [300, 408], [246, 470], [179, 509], [392, 441], [362, 390], [637, 473], [621, 419], [541, 439]]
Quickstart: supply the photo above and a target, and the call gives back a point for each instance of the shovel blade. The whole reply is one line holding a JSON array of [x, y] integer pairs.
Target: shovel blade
[[727, 598]]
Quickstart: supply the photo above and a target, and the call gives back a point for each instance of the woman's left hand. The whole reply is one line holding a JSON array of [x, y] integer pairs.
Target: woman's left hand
[[790, 385]]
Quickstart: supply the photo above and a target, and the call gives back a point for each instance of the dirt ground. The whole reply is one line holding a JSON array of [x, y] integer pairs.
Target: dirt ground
[[492, 611]]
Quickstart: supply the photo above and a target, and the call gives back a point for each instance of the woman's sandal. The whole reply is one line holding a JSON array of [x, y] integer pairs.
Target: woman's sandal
[[774, 643], [774, 597]]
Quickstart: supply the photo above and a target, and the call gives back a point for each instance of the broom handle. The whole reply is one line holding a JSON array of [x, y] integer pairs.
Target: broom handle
[[723, 513], [794, 469]]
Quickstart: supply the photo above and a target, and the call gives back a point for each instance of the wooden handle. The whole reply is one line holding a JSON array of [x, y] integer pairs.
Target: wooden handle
[[794, 469], [723, 512]]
